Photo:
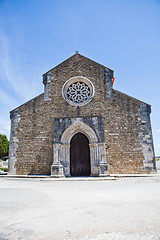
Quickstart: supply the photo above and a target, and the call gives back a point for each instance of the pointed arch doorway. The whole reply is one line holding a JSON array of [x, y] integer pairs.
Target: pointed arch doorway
[[80, 155]]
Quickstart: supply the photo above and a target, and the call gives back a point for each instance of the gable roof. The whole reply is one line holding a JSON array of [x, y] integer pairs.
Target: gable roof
[[80, 56], [75, 56]]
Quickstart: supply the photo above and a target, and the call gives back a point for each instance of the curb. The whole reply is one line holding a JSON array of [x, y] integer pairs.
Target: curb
[[49, 178]]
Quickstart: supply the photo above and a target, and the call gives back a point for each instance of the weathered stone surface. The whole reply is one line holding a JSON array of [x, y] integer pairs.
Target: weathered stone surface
[[96, 123], [146, 138], [120, 122], [15, 118]]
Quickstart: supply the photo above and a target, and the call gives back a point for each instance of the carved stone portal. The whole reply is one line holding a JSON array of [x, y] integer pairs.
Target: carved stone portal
[[61, 149]]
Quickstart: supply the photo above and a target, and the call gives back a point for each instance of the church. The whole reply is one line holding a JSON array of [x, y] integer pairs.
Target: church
[[81, 126]]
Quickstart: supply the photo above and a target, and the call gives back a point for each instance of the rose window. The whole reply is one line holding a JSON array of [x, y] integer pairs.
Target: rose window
[[78, 91]]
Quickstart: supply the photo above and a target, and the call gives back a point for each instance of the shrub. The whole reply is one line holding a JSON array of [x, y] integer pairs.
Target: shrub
[[4, 169], [4, 146]]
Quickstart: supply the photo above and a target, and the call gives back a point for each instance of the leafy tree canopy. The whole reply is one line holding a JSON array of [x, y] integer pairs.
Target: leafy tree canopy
[[4, 146]]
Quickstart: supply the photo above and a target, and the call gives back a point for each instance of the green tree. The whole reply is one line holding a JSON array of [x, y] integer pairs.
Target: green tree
[[4, 146]]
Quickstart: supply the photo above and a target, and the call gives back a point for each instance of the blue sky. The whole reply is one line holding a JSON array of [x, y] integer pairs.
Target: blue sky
[[36, 35]]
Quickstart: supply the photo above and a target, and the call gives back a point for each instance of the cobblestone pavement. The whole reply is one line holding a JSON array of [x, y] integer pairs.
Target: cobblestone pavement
[[39, 209]]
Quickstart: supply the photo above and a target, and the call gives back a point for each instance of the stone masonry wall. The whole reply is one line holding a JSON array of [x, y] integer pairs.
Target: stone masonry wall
[[121, 114]]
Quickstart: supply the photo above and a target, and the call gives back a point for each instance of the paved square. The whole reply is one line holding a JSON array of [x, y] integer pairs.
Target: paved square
[[39, 209]]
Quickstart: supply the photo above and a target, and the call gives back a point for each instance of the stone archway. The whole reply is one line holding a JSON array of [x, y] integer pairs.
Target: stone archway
[[61, 151], [76, 127]]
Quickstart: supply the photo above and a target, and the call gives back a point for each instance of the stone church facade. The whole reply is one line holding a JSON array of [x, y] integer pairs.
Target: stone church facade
[[81, 126]]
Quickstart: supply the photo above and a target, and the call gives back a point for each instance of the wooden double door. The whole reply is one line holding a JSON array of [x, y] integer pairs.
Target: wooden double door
[[80, 156]]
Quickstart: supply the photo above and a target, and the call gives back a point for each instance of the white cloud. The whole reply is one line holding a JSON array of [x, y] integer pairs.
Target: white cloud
[[158, 131], [22, 84], [7, 100], [5, 66]]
